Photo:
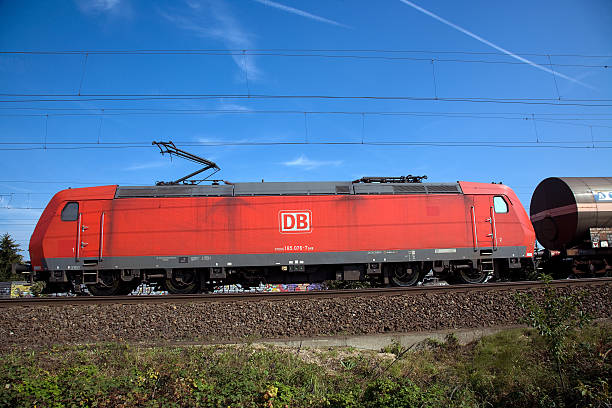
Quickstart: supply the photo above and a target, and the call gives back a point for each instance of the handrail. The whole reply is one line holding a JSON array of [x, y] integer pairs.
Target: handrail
[[494, 229], [78, 246], [475, 234], [101, 236]]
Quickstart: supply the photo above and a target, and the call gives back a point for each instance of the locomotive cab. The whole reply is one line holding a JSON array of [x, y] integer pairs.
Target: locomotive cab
[[501, 234], [67, 242]]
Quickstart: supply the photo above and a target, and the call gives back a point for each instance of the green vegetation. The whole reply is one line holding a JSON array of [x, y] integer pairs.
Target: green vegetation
[[555, 316], [9, 254], [511, 368]]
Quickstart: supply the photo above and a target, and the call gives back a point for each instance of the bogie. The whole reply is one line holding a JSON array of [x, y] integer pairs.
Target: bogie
[[182, 281], [470, 273], [109, 284], [404, 274]]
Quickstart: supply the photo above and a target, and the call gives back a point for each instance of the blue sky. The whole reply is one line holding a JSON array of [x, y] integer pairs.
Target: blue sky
[[541, 116]]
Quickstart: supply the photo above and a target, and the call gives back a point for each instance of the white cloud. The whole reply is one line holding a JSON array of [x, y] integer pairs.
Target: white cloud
[[490, 44], [301, 13], [144, 166], [309, 164], [194, 4], [222, 27], [221, 142], [97, 6], [233, 107]]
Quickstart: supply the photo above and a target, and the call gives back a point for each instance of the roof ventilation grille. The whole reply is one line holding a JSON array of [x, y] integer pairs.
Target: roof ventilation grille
[[343, 190]]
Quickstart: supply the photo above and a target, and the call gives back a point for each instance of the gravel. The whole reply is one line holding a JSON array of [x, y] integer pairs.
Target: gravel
[[220, 322]]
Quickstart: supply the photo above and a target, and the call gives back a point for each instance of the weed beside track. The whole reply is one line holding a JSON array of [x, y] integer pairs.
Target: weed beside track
[[511, 368]]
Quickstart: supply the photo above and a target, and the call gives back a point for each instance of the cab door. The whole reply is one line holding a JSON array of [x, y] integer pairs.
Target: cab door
[[484, 233], [90, 232]]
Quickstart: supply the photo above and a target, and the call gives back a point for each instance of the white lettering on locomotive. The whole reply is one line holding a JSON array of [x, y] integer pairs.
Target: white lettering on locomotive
[[295, 222]]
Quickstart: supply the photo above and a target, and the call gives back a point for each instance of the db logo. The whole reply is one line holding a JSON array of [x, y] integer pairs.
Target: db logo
[[294, 222]]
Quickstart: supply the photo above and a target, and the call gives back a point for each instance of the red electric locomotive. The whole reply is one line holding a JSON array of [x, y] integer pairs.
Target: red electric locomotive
[[187, 237]]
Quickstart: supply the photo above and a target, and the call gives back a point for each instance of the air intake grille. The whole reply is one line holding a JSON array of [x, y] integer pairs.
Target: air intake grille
[[136, 192], [284, 188], [174, 191], [410, 189], [443, 188]]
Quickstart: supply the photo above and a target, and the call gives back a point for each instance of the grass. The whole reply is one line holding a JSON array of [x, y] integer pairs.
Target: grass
[[510, 368]]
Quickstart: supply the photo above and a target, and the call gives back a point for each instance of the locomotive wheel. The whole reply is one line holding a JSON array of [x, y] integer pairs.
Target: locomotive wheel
[[405, 275], [109, 284], [472, 275], [182, 281]]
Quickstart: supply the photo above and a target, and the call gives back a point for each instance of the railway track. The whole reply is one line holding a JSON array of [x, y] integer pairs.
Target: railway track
[[234, 297]]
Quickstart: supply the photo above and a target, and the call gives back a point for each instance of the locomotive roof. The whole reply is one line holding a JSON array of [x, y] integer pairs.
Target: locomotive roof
[[287, 188]]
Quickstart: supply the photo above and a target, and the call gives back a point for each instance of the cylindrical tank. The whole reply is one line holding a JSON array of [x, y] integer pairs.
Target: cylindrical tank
[[564, 208]]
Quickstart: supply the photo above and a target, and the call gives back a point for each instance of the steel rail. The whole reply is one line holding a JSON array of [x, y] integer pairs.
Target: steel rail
[[282, 296]]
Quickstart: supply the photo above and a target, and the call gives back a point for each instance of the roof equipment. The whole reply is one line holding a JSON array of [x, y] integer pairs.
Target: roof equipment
[[170, 148]]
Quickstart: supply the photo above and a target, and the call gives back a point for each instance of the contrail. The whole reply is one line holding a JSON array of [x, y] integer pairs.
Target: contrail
[[300, 12], [490, 44]]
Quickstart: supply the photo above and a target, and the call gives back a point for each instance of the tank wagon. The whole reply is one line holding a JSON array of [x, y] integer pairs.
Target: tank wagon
[[572, 218], [188, 237]]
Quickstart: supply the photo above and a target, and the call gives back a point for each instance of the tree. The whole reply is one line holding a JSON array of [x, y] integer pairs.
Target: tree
[[9, 254]]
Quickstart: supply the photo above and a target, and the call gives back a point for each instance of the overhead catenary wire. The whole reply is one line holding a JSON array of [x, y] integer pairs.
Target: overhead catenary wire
[[62, 182], [138, 143], [525, 144], [22, 208], [247, 111], [197, 51], [369, 57], [23, 219], [475, 115], [279, 96], [149, 97]]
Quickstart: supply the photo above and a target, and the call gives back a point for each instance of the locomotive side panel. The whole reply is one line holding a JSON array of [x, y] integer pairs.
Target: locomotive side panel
[[291, 224]]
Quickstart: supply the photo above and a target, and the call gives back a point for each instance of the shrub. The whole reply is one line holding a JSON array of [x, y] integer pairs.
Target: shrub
[[554, 316]]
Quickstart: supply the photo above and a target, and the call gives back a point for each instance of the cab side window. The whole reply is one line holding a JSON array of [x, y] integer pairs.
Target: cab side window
[[500, 205], [70, 212]]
